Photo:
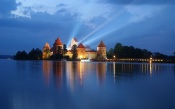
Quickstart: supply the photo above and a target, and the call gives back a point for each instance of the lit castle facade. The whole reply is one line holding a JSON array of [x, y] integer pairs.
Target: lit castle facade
[[82, 51]]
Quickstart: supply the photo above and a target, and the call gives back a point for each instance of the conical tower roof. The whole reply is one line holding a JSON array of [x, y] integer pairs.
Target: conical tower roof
[[47, 45], [58, 42], [101, 44], [81, 46]]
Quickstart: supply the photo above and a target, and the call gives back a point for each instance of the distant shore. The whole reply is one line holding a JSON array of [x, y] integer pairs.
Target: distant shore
[[6, 57]]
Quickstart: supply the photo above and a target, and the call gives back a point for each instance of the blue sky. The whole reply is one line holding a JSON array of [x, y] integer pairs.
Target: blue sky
[[27, 24]]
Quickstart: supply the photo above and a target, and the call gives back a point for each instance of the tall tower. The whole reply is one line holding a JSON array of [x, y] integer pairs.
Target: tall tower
[[81, 50], [56, 44], [46, 51], [101, 50], [74, 41]]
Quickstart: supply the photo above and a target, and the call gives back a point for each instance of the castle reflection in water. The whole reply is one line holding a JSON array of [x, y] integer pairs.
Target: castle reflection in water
[[75, 73]]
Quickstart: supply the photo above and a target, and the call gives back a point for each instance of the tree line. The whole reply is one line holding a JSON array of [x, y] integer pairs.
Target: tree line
[[121, 51], [34, 54]]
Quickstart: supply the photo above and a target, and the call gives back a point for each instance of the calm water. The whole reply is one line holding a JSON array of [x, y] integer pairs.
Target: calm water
[[77, 85]]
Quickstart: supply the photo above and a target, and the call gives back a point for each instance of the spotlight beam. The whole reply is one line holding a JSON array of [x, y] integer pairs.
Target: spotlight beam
[[77, 27], [106, 33], [102, 25], [105, 23]]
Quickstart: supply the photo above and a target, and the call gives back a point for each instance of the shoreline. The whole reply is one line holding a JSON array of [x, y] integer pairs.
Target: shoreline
[[124, 61]]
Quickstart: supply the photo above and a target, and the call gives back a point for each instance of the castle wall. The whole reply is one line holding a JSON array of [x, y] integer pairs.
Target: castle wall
[[69, 54], [92, 55], [102, 51], [81, 53]]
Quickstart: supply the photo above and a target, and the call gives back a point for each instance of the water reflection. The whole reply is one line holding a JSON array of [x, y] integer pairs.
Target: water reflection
[[150, 68], [75, 73], [58, 72], [78, 85], [71, 74], [131, 69], [101, 72], [46, 71], [81, 72]]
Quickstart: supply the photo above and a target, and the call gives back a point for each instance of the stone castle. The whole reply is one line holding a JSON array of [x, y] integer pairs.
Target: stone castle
[[82, 51]]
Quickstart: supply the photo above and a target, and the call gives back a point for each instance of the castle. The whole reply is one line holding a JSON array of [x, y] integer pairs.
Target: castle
[[82, 51]]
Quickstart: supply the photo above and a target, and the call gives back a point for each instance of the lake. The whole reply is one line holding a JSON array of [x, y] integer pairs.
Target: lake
[[86, 85]]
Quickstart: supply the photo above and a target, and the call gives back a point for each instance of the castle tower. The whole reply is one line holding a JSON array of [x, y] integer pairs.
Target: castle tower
[[101, 50], [56, 44], [74, 41], [46, 51], [81, 50]]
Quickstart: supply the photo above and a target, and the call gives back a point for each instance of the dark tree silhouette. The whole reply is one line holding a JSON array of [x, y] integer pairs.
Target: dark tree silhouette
[[159, 55], [35, 54], [110, 53], [130, 52], [74, 52], [21, 55], [64, 49], [59, 54], [118, 50]]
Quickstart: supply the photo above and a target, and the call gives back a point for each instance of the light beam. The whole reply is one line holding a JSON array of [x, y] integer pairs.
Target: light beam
[[102, 25], [106, 33]]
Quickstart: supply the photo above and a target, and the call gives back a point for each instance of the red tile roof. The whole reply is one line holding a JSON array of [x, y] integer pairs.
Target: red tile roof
[[81, 46], [101, 44], [58, 42]]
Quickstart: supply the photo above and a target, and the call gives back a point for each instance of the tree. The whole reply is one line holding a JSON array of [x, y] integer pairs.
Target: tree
[[147, 54], [160, 55], [21, 55], [118, 50], [64, 49], [74, 51], [110, 53], [130, 52], [35, 54], [59, 54]]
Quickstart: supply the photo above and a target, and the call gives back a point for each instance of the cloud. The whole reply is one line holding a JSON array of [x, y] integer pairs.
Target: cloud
[[141, 2], [84, 9], [27, 7], [141, 12]]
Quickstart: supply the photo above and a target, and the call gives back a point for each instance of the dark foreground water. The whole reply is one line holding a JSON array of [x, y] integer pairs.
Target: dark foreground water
[[77, 85]]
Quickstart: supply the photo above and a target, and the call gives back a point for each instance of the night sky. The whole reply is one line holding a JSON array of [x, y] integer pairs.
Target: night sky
[[146, 24]]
